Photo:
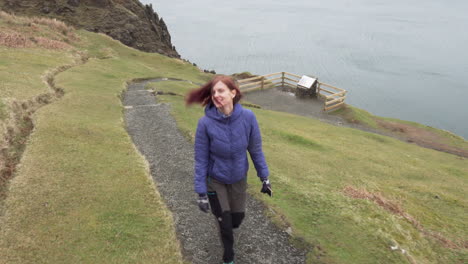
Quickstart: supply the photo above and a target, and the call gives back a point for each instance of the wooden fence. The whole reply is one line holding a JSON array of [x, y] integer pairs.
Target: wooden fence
[[332, 96]]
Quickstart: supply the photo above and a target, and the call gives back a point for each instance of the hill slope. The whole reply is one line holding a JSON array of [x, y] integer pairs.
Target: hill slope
[[82, 193], [131, 22], [69, 201]]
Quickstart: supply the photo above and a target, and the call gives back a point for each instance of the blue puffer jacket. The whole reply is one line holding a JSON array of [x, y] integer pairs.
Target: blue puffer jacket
[[221, 145]]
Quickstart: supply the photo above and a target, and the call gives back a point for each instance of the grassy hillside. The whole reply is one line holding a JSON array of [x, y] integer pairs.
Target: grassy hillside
[[82, 193], [410, 131], [351, 195], [32, 49]]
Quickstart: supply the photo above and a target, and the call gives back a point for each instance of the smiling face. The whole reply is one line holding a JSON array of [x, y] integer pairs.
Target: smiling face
[[221, 95]]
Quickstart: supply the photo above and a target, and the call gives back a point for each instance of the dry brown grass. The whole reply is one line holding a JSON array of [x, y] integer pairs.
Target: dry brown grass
[[51, 23], [18, 40], [6, 16], [396, 209], [29, 32], [15, 40], [50, 43], [422, 137], [375, 197], [58, 26]]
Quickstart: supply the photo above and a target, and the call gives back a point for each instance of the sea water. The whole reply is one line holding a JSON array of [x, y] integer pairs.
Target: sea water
[[406, 59]]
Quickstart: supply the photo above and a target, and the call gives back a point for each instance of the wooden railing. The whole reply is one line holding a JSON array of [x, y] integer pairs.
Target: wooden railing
[[332, 96], [260, 82]]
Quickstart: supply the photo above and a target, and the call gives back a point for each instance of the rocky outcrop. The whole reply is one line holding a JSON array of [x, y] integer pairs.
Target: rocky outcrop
[[134, 24]]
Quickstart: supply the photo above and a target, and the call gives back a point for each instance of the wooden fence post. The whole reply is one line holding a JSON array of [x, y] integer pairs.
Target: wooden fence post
[[282, 79], [263, 80]]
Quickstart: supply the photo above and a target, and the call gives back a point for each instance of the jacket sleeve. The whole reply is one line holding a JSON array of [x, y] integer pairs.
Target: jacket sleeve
[[202, 155], [255, 150]]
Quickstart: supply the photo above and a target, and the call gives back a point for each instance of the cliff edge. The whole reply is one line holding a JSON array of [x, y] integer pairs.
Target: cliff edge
[[129, 21]]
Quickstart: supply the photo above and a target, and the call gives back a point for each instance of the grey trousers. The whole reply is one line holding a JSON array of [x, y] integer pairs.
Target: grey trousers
[[227, 202], [231, 197]]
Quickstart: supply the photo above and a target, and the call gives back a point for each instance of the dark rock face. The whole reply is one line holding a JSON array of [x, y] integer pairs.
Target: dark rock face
[[74, 3], [134, 24]]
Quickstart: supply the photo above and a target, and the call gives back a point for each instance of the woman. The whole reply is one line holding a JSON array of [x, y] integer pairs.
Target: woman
[[223, 137]]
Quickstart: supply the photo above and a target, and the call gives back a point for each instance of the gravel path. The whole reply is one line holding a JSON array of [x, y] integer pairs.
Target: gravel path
[[170, 156]]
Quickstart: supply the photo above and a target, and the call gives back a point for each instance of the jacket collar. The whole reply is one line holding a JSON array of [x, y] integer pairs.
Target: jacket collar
[[212, 112]]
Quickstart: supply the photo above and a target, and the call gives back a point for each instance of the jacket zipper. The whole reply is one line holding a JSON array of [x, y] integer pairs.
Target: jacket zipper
[[230, 147]]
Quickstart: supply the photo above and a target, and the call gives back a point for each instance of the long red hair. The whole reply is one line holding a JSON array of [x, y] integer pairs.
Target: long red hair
[[202, 95]]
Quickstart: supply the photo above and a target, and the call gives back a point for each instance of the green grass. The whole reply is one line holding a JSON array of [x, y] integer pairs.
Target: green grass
[[447, 136], [178, 87], [297, 140], [83, 194], [3, 110], [355, 115], [312, 162], [21, 71]]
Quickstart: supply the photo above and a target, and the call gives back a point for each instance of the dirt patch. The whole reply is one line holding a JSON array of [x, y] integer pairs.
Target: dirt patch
[[421, 137], [396, 209]]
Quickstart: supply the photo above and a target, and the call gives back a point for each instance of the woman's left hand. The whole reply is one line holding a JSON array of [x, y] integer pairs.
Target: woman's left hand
[[266, 187]]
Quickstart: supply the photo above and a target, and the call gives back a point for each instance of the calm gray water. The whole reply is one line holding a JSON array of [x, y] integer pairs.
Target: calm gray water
[[406, 59]]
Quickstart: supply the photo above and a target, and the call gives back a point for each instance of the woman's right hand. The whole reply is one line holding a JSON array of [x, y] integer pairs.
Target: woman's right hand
[[203, 203]]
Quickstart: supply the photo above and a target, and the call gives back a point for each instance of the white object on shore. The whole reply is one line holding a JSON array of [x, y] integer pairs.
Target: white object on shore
[[306, 81]]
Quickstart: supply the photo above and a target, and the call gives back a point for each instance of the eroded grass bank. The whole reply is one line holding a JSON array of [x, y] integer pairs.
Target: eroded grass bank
[[30, 59]]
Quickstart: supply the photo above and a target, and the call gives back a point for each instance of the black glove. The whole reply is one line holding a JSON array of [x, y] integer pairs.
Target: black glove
[[203, 203], [266, 187]]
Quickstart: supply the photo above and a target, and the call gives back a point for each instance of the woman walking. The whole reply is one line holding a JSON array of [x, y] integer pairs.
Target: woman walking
[[223, 137]]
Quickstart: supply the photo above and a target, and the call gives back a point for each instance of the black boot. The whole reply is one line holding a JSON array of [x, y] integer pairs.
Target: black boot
[[226, 236], [237, 219]]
